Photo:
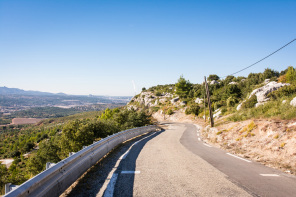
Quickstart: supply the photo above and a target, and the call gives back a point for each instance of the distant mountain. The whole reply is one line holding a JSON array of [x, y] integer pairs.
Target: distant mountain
[[16, 91]]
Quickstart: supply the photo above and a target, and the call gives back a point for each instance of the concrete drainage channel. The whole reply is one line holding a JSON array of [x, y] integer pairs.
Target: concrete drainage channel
[[55, 180]]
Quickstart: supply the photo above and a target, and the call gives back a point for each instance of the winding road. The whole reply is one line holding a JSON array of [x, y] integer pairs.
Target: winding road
[[176, 162]]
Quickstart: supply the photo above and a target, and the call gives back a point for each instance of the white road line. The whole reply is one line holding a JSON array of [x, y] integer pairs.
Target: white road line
[[207, 145], [238, 157], [111, 174], [275, 175], [110, 188], [125, 154], [199, 139], [130, 172]]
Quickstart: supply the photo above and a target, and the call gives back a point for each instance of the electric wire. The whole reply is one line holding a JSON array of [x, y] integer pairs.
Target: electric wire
[[262, 59]]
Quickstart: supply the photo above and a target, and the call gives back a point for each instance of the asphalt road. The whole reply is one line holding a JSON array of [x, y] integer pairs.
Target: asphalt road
[[176, 162]]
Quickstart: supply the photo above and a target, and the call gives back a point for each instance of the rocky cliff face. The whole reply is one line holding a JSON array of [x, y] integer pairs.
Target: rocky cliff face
[[261, 93]]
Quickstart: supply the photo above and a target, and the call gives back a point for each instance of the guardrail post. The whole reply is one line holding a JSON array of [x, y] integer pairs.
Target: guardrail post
[[49, 165], [71, 153], [7, 188]]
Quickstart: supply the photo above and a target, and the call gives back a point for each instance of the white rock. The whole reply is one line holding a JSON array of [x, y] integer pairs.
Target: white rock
[[284, 101], [198, 100], [174, 100], [261, 93], [293, 102], [217, 113], [232, 83], [239, 106], [183, 103], [214, 82]]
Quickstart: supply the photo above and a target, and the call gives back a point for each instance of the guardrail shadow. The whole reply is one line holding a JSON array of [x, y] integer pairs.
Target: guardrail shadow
[[125, 182], [92, 182]]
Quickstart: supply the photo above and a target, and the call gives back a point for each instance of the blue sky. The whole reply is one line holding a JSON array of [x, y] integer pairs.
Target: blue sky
[[99, 47]]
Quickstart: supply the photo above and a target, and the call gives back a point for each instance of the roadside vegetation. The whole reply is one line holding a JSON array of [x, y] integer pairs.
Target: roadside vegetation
[[227, 94], [52, 140]]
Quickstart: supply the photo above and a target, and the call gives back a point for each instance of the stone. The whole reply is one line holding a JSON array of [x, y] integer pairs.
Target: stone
[[174, 100], [284, 101], [198, 100], [217, 113], [293, 102], [261, 93], [183, 103], [214, 82], [232, 83], [239, 106]]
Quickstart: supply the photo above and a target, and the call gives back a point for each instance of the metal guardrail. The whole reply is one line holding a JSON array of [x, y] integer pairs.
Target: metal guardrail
[[55, 180]]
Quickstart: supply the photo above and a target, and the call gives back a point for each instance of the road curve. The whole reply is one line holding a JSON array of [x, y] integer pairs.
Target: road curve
[[176, 162]]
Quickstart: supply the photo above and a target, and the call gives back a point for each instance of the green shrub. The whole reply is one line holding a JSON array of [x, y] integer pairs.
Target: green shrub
[[192, 109], [158, 93], [231, 101], [169, 112], [284, 91], [154, 109], [250, 103]]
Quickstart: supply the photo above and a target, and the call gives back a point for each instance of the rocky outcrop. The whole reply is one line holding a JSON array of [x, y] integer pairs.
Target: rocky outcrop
[[217, 114], [174, 100], [261, 93], [239, 106], [214, 82], [293, 102], [198, 100]]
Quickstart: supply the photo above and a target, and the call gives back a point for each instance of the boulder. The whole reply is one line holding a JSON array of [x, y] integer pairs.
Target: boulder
[[214, 82], [293, 102], [183, 103], [174, 100], [239, 106], [261, 93], [217, 113], [198, 100], [232, 83]]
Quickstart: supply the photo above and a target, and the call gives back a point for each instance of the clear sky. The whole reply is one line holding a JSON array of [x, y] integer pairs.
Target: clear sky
[[100, 47]]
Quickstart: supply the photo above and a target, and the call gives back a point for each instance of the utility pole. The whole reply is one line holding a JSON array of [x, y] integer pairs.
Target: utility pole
[[205, 107], [209, 102]]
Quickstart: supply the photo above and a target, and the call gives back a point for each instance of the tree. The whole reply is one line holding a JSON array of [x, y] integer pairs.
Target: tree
[[213, 77], [183, 87], [268, 74], [291, 75]]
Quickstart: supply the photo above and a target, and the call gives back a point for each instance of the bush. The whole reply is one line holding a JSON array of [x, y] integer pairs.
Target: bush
[[192, 109], [231, 101], [169, 112], [250, 103], [284, 91], [158, 93], [155, 109]]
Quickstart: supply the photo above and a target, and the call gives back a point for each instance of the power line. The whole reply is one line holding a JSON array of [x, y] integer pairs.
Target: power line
[[262, 58]]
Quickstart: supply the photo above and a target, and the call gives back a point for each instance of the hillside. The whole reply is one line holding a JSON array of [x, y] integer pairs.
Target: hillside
[[254, 116]]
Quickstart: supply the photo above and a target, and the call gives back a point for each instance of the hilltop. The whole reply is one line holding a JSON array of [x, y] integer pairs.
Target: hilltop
[[254, 116]]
